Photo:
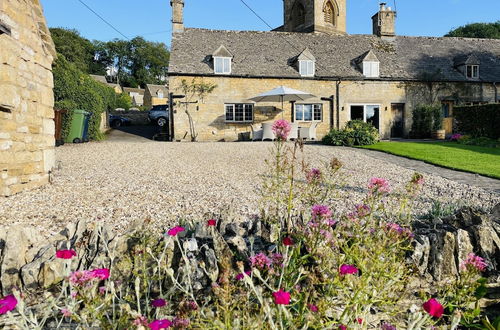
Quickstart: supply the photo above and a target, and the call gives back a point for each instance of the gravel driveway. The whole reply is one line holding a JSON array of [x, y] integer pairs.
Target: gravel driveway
[[119, 182]]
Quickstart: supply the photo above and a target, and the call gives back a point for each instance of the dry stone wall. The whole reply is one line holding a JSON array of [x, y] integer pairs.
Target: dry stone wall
[[26, 97]]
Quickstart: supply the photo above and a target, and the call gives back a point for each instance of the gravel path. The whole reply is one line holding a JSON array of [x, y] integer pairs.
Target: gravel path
[[119, 182]]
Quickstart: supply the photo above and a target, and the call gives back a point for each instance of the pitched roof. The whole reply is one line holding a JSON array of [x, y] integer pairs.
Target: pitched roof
[[153, 89], [101, 79], [133, 90], [222, 52], [268, 54]]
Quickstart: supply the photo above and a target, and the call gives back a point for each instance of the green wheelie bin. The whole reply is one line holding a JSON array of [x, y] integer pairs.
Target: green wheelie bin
[[77, 127]]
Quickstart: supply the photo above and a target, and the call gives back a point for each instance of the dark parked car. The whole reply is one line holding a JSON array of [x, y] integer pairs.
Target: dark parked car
[[118, 121], [159, 114]]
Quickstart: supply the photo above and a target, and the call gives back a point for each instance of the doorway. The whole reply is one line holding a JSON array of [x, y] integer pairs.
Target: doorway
[[398, 120]]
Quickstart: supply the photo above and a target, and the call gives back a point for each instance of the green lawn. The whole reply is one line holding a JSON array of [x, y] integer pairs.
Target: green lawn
[[481, 160]]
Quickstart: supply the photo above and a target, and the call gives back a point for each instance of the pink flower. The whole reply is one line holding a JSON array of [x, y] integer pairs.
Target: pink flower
[[288, 241], [102, 290], [314, 175], [474, 262], [65, 254], [281, 129], [433, 307], [321, 211], [392, 227], [66, 312], [342, 327], [141, 320], [388, 326], [174, 231], [359, 320], [211, 223], [281, 297], [160, 324], [81, 277], [379, 185], [348, 269], [260, 261], [362, 210], [102, 274], [313, 308], [455, 137], [240, 276], [7, 304], [157, 303], [180, 323]]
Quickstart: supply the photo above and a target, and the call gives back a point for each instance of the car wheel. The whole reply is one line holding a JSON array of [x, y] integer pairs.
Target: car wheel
[[162, 121], [116, 123], [77, 140]]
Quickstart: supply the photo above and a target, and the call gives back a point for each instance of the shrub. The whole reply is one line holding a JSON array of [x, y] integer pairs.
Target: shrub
[[478, 120], [356, 133], [479, 141], [123, 101], [426, 119], [74, 89]]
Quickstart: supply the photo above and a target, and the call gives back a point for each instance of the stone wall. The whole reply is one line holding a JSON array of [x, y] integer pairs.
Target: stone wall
[[208, 116], [26, 97]]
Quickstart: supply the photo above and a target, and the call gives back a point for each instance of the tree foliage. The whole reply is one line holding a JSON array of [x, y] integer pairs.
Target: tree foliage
[[477, 30]]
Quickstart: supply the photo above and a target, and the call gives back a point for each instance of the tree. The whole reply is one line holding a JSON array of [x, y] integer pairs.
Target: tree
[[78, 50], [477, 30]]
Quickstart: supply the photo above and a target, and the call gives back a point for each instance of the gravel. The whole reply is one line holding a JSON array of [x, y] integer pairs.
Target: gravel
[[120, 182]]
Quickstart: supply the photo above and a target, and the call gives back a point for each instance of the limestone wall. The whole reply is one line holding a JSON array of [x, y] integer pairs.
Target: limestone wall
[[208, 116], [26, 97]]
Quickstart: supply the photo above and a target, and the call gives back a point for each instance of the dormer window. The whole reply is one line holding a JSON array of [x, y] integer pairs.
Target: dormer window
[[222, 60], [160, 94], [306, 68], [222, 65], [472, 71], [371, 69]]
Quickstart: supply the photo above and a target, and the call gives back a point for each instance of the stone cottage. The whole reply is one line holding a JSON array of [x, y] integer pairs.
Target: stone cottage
[[155, 95], [136, 94], [26, 99], [378, 78]]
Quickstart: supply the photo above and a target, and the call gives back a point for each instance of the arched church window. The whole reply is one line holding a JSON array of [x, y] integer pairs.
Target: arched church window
[[329, 13], [298, 14]]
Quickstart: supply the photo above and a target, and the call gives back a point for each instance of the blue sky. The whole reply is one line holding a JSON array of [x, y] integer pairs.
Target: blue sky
[[151, 18]]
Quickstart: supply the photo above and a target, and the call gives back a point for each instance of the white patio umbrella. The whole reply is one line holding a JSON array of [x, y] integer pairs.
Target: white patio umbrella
[[282, 94]]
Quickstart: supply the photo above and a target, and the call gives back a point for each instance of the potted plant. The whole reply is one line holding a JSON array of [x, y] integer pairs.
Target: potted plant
[[437, 123]]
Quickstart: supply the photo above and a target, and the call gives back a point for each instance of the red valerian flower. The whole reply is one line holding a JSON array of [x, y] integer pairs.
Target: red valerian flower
[[102, 274], [281, 297], [160, 324], [348, 269], [474, 262], [65, 254], [281, 129], [211, 223], [433, 307], [158, 303], [313, 308], [174, 231], [7, 304], [240, 276], [379, 185], [342, 327], [287, 241]]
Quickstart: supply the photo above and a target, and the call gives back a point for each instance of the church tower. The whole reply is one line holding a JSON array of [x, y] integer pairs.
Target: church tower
[[327, 16]]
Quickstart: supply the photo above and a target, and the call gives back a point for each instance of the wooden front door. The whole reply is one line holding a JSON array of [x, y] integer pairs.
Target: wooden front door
[[398, 120], [447, 107]]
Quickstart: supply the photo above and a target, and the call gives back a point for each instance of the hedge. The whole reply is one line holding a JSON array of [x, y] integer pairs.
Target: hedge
[[426, 119], [74, 89], [478, 120], [356, 133]]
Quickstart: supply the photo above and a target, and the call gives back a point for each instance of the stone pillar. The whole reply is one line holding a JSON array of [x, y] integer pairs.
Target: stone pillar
[[177, 15]]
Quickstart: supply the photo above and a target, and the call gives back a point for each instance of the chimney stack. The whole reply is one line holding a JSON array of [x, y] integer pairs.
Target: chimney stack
[[384, 22], [177, 15]]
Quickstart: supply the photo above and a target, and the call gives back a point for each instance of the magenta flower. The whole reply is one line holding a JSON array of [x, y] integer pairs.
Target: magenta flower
[[211, 223], [455, 137], [7, 304], [174, 231], [260, 261], [313, 308], [281, 297], [314, 175], [392, 227], [474, 262], [240, 276], [321, 211], [433, 307], [379, 185], [348, 269], [102, 274], [281, 129], [388, 326], [158, 303], [81, 277], [66, 312], [160, 324], [342, 327], [65, 254], [288, 241]]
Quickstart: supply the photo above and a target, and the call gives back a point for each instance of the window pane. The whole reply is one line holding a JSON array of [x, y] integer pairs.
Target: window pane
[[469, 71], [302, 68], [357, 112], [238, 112], [475, 71], [299, 112], [229, 112], [372, 115], [318, 113], [218, 65], [227, 63], [310, 68], [248, 112], [307, 112]]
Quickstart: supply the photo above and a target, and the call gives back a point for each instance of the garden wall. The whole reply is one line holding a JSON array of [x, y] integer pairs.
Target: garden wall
[[26, 100]]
